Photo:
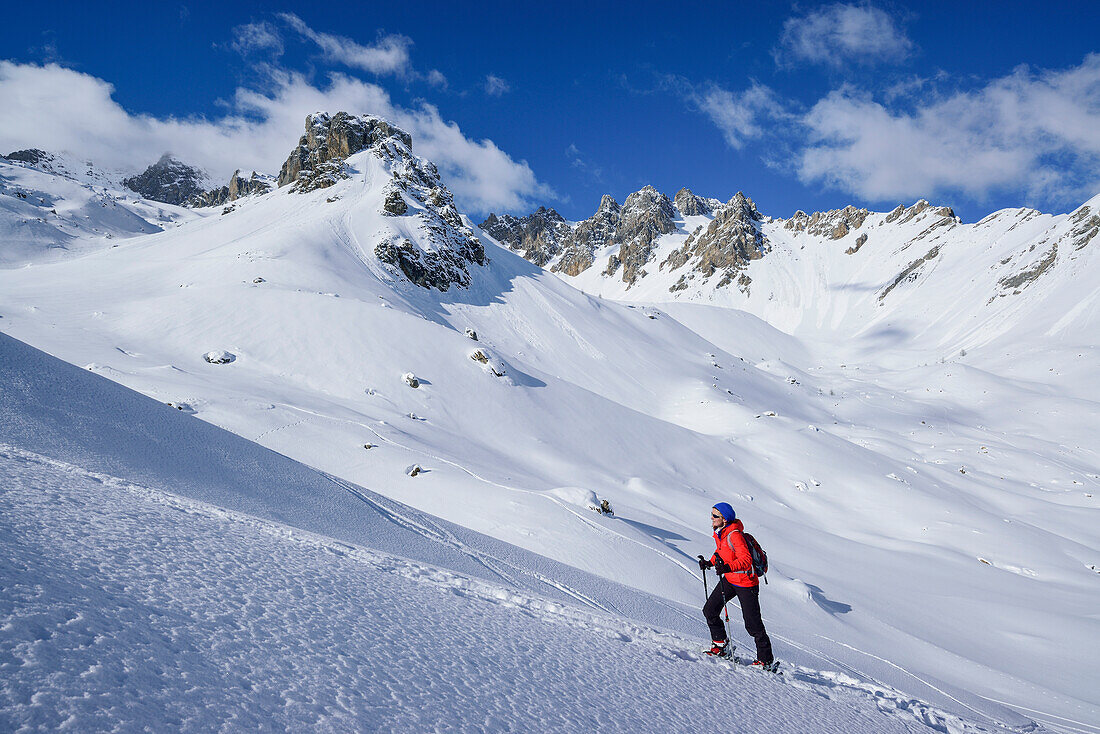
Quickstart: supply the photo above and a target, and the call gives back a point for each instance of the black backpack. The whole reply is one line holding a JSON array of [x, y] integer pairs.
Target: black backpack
[[759, 557]]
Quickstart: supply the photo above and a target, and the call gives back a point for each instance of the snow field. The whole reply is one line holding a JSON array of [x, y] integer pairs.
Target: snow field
[[129, 607]]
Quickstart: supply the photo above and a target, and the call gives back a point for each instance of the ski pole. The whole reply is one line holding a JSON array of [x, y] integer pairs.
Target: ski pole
[[706, 592]]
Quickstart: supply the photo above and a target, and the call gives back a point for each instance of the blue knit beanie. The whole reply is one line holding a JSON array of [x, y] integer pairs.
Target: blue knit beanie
[[727, 511]]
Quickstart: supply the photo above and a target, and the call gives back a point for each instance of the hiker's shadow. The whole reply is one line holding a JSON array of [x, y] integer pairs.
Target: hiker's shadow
[[830, 606]]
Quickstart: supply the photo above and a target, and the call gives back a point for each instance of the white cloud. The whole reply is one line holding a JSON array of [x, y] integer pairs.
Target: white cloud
[[436, 78], [1035, 133], [839, 34], [740, 116], [56, 108], [252, 37], [390, 55], [495, 86]]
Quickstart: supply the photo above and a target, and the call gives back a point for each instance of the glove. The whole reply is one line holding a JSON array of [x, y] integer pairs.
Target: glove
[[704, 564], [721, 567]]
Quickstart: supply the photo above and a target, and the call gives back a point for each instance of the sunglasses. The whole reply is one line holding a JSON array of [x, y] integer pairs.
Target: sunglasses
[[716, 517]]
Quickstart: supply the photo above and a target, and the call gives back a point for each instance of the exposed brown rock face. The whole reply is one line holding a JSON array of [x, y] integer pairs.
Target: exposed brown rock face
[[835, 223], [902, 214], [537, 237], [235, 189], [691, 205], [728, 244], [595, 232], [645, 216], [860, 242], [328, 140]]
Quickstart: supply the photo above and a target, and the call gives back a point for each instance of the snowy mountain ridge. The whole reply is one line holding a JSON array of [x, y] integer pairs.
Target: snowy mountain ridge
[[857, 270], [896, 482]]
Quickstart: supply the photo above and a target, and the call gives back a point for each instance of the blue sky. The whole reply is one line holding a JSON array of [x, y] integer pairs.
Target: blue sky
[[800, 105]]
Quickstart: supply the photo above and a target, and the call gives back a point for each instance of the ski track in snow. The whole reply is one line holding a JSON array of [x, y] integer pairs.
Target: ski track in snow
[[126, 606]]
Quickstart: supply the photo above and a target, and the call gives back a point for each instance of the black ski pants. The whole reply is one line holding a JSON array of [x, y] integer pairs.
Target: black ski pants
[[749, 598]]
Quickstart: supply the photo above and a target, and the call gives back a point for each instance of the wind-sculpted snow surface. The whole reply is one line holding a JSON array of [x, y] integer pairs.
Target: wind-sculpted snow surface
[[129, 607]]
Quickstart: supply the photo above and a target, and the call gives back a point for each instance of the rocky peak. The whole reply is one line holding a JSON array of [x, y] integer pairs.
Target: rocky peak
[[646, 215], [445, 246], [538, 237], [731, 240], [902, 214], [691, 205], [834, 224], [31, 156], [317, 162], [578, 249], [608, 206], [168, 180]]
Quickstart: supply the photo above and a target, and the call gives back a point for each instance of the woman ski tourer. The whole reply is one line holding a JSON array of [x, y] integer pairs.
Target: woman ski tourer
[[732, 561]]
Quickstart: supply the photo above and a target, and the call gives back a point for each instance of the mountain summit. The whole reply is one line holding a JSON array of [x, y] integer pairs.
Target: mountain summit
[[168, 180]]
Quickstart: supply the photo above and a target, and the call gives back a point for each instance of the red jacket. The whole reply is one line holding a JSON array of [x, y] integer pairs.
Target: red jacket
[[732, 549]]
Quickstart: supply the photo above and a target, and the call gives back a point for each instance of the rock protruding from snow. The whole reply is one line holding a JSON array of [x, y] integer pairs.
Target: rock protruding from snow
[[219, 356], [169, 181], [646, 215], [489, 361], [33, 157], [834, 224], [578, 252], [731, 240], [902, 214], [538, 237], [446, 245], [317, 162], [235, 189], [691, 205]]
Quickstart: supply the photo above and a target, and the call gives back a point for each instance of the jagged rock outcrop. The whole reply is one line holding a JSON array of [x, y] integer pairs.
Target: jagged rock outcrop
[[1017, 282], [646, 215], [538, 237], [902, 214], [317, 162], [691, 205], [394, 205], [834, 224], [731, 240], [443, 248], [168, 180], [860, 242], [1086, 227], [30, 156], [911, 272], [235, 189], [446, 247], [578, 250]]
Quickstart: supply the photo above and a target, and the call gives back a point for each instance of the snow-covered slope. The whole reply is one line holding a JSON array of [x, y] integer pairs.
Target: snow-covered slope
[[53, 206], [160, 573], [931, 523]]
